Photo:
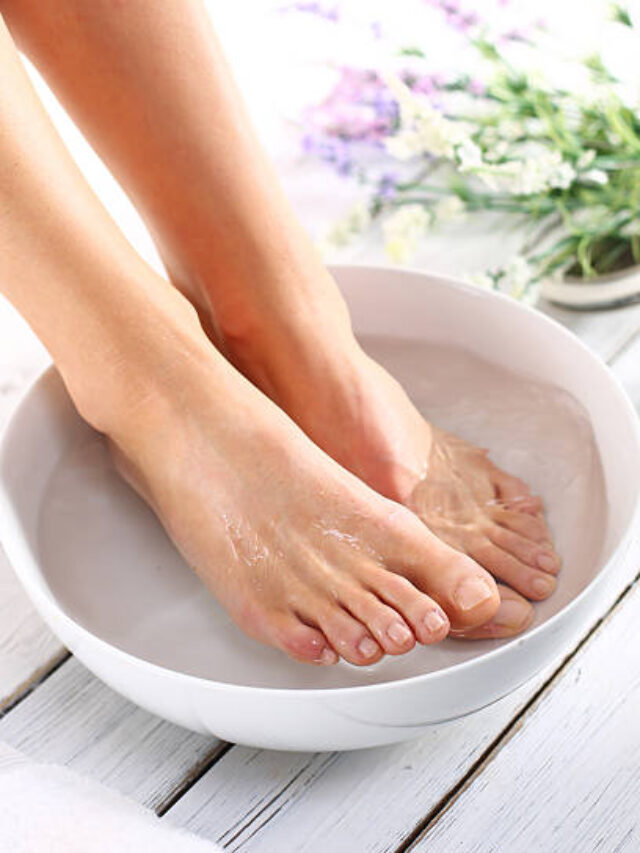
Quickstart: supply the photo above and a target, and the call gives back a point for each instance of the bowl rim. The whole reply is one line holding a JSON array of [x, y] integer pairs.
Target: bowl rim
[[18, 552]]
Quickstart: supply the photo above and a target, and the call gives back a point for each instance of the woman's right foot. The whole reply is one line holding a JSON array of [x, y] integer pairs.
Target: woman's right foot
[[302, 554]]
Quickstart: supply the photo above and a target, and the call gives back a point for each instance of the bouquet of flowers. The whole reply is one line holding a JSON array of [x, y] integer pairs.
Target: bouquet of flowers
[[561, 157]]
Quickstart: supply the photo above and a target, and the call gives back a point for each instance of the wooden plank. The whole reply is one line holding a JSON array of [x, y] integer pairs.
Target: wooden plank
[[568, 777], [74, 719], [27, 648], [606, 332], [370, 800]]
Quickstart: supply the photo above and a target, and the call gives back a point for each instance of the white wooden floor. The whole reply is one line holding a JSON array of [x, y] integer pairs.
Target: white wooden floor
[[553, 767]]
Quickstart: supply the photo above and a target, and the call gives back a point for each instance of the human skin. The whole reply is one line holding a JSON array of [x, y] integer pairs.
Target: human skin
[[148, 83], [302, 553]]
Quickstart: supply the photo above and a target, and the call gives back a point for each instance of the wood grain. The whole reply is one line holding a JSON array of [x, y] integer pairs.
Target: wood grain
[[27, 648], [569, 777], [370, 800], [74, 719]]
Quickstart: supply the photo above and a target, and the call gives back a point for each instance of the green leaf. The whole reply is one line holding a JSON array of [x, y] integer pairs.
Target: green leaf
[[412, 51], [620, 14]]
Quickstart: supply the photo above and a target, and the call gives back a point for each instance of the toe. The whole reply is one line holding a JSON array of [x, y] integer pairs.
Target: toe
[[535, 554], [532, 583], [509, 488], [530, 526], [384, 623], [513, 493], [466, 592], [514, 616], [300, 641], [427, 619], [348, 636]]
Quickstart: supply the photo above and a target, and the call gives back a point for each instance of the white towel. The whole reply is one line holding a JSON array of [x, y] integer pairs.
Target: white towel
[[50, 809]]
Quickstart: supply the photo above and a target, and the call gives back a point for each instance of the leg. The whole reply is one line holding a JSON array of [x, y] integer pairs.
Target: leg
[[303, 554], [149, 85]]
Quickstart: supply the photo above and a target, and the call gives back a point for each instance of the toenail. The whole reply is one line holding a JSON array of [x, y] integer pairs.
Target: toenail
[[547, 561], [328, 656], [367, 647], [512, 614], [399, 633], [434, 621], [472, 592], [543, 586]]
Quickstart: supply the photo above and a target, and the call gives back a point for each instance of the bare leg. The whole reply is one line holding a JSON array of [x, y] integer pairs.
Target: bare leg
[[148, 83], [302, 553]]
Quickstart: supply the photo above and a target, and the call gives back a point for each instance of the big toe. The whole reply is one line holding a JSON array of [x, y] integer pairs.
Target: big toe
[[465, 591]]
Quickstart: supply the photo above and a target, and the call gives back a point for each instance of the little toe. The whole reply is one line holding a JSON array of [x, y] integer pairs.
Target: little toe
[[535, 554], [532, 583], [385, 624], [427, 619], [348, 636], [514, 616], [301, 641]]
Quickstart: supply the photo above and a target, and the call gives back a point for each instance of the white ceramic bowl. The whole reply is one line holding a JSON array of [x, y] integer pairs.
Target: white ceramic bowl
[[104, 577]]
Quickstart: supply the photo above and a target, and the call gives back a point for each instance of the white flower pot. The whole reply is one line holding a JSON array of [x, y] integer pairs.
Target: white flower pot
[[605, 291]]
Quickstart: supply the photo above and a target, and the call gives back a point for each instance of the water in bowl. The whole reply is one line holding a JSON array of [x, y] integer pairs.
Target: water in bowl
[[112, 568]]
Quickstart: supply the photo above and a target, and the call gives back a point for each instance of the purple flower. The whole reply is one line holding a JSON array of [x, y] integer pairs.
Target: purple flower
[[456, 16], [359, 108], [326, 11], [336, 152], [387, 185], [476, 87]]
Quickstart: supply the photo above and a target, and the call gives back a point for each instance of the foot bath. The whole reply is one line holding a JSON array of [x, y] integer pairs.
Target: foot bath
[[108, 581]]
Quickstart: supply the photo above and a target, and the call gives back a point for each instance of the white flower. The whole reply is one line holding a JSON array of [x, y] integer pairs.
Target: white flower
[[497, 151], [480, 279], [359, 217], [423, 129], [586, 159], [405, 145], [489, 136], [595, 176], [344, 230], [510, 130], [528, 176], [517, 277], [561, 174], [531, 295], [403, 229], [469, 155], [448, 208], [533, 127]]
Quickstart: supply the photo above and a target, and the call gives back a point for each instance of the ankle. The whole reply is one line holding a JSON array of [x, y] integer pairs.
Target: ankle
[[137, 363]]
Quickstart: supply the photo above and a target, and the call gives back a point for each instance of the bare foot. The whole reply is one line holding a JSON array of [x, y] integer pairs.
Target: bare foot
[[352, 408], [302, 554]]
